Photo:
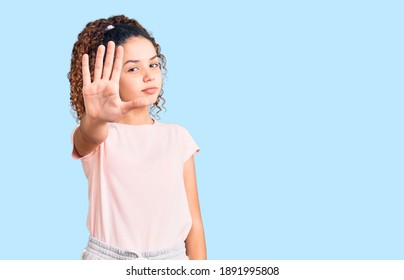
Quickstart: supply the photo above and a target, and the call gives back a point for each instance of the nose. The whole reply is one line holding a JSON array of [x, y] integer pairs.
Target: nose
[[148, 76]]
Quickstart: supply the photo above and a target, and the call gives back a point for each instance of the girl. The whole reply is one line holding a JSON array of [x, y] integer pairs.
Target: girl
[[143, 199]]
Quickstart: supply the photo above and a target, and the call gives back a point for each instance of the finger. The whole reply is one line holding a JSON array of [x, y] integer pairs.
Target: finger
[[99, 59], [85, 70], [109, 60], [116, 72], [130, 105]]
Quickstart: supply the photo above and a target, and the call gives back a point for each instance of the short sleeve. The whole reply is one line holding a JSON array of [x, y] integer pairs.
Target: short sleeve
[[75, 155], [189, 146]]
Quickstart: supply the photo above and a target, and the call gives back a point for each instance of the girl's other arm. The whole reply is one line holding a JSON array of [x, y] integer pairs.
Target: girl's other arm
[[195, 242]]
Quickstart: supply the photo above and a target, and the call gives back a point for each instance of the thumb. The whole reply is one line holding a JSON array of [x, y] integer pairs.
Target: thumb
[[130, 105]]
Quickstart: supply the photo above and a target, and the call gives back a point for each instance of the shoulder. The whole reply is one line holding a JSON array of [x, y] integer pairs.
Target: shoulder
[[180, 133], [172, 127]]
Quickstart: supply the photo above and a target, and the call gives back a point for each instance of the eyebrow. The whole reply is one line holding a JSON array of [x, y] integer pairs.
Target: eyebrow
[[137, 60]]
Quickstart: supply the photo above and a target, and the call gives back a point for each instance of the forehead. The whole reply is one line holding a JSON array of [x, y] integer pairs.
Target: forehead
[[138, 48]]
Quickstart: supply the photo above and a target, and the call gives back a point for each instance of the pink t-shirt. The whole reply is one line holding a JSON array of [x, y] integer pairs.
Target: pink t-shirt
[[137, 198]]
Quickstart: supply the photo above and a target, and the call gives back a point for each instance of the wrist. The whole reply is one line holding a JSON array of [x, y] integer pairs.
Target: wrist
[[93, 130]]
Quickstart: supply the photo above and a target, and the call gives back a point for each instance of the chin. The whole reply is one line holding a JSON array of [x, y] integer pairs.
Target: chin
[[153, 100]]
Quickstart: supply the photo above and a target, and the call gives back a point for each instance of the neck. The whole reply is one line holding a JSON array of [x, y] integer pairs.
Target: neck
[[137, 116]]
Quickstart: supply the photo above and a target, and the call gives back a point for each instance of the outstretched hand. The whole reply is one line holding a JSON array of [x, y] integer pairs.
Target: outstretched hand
[[101, 96]]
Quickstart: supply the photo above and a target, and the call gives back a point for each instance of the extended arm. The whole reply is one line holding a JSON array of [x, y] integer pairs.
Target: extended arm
[[101, 98]]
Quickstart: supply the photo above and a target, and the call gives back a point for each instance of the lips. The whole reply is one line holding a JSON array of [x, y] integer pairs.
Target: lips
[[151, 90]]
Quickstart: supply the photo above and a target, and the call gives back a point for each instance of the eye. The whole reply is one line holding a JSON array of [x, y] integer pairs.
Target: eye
[[155, 65], [133, 69]]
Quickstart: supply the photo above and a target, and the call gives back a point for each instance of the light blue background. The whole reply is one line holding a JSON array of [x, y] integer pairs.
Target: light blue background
[[297, 107]]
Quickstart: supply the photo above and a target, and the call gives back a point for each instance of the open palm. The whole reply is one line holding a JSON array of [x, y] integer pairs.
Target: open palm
[[101, 96]]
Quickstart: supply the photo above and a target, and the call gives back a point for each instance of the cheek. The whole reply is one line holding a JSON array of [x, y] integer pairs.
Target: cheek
[[128, 89], [159, 78], [128, 85]]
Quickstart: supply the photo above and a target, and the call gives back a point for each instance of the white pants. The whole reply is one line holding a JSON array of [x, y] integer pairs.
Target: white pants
[[98, 250]]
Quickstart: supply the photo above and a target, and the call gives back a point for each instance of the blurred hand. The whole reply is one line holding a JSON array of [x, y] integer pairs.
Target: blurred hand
[[101, 96]]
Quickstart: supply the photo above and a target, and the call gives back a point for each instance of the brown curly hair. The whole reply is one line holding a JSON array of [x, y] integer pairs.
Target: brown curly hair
[[88, 40]]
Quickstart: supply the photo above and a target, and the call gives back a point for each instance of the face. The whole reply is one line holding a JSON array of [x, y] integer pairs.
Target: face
[[141, 74]]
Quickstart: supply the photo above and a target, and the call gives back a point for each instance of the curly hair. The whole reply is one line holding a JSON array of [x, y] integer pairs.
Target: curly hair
[[93, 35]]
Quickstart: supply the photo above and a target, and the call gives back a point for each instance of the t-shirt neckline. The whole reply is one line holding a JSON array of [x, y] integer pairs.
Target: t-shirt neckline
[[138, 125]]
